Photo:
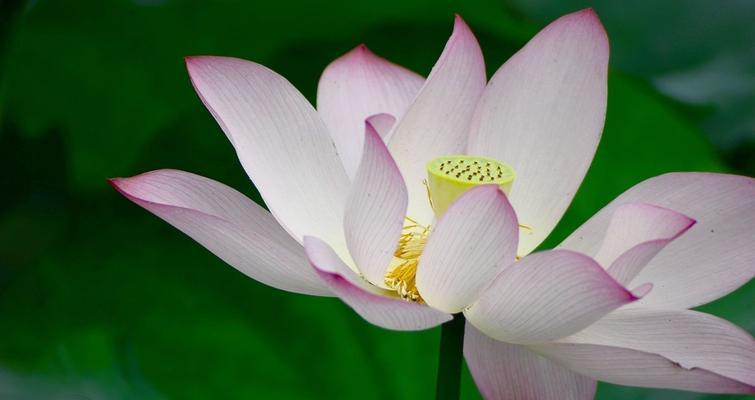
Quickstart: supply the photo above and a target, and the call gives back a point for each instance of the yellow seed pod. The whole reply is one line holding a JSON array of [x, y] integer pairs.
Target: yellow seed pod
[[450, 176]]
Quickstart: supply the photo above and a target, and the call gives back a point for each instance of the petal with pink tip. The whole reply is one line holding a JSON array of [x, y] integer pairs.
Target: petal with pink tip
[[713, 258], [355, 86], [228, 224], [370, 302], [280, 140], [636, 233], [473, 241], [546, 296], [437, 122], [383, 124], [375, 209], [508, 371], [690, 339], [628, 367], [632, 261], [635, 223], [543, 113]]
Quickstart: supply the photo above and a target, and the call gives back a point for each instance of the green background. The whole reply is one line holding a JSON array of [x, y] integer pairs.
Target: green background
[[101, 300]]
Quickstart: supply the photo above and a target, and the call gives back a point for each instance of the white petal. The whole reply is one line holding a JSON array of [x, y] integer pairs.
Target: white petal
[[713, 258], [281, 141], [623, 366], [228, 224], [546, 296], [375, 209], [370, 302], [437, 123], [469, 246], [508, 371], [543, 113], [355, 86], [636, 233], [688, 338]]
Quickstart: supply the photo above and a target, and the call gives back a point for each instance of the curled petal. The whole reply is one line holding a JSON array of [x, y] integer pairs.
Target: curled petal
[[636, 233], [370, 302], [711, 259], [383, 124], [546, 296]]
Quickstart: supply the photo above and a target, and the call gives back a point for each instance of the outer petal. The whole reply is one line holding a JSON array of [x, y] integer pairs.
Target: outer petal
[[368, 301], [688, 338], [228, 224], [546, 296], [375, 209], [508, 371], [623, 366], [281, 141], [543, 113], [469, 246], [713, 258], [355, 86], [636, 233], [437, 122]]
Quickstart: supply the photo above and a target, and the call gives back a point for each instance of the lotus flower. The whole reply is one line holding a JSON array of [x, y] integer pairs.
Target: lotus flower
[[414, 200]]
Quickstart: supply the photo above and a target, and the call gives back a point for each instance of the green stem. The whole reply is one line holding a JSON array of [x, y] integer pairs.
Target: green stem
[[448, 385]]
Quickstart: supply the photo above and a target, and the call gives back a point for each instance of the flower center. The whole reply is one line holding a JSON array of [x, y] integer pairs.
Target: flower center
[[450, 176], [447, 178], [403, 269]]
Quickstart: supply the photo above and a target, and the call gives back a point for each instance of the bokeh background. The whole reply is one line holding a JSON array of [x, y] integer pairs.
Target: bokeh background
[[100, 300]]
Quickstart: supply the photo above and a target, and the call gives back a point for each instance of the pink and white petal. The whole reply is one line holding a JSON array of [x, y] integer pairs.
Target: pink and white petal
[[512, 372], [355, 86], [370, 302], [437, 123], [635, 223], [546, 296], [473, 241], [625, 268], [713, 258], [228, 224], [628, 367], [690, 339], [543, 113], [375, 209], [281, 142], [637, 233], [383, 124]]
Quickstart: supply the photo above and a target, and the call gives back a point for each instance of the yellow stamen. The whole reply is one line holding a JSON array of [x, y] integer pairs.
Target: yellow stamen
[[527, 228], [401, 275], [448, 177]]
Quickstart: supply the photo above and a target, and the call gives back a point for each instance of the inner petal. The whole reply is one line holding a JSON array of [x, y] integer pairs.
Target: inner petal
[[447, 178]]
